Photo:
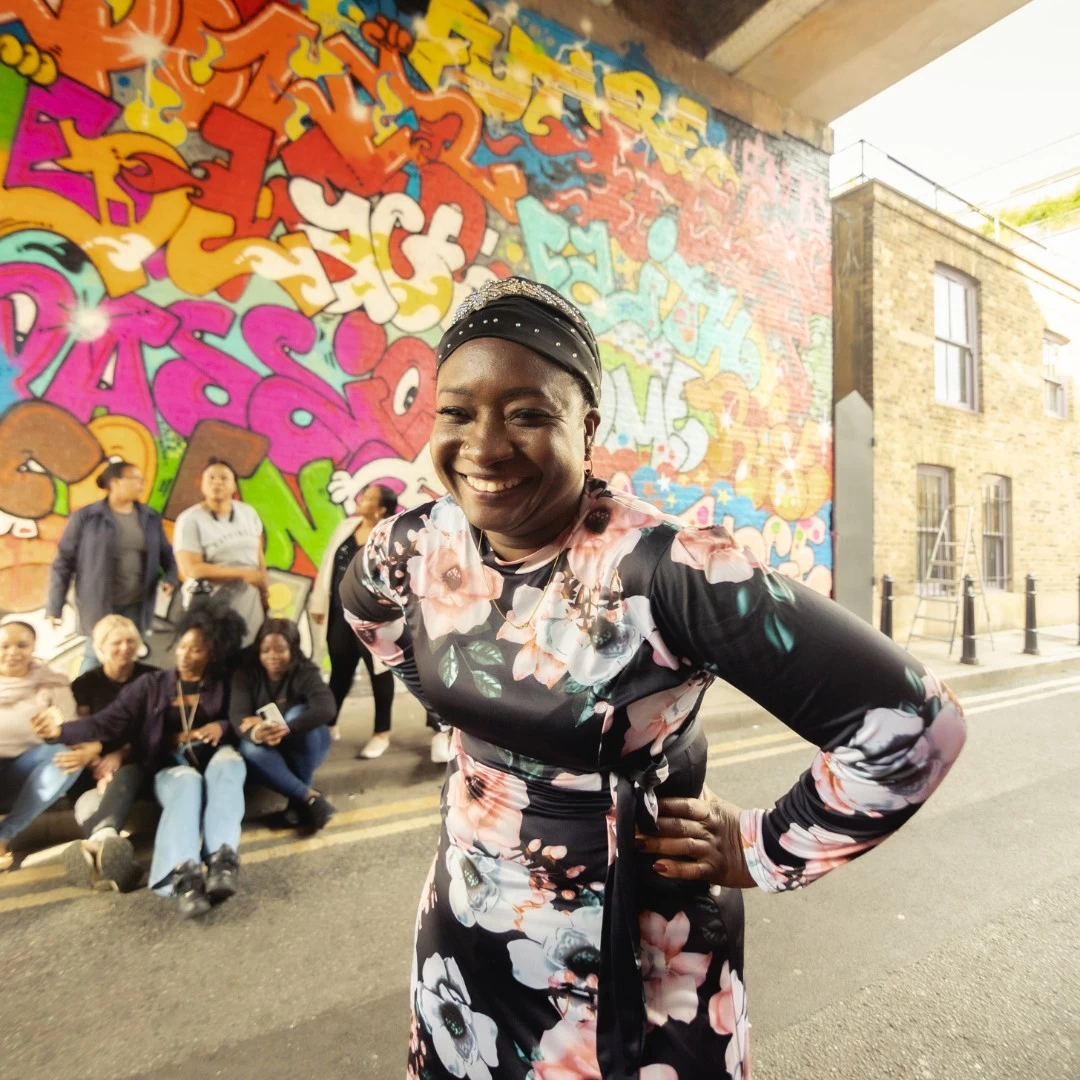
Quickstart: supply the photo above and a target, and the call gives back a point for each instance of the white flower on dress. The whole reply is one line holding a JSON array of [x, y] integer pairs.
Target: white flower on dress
[[488, 891], [601, 652], [561, 950], [896, 759], [463, 1039]]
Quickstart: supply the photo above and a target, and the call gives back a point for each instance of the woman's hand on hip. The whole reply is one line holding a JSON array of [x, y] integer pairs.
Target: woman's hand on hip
[[211, 734], [699, 840]]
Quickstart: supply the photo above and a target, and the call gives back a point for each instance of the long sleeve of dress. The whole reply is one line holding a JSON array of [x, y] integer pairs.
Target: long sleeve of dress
[[887, 730]]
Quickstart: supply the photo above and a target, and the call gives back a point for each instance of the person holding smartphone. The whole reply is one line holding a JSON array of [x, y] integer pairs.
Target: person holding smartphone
[[281, 709]]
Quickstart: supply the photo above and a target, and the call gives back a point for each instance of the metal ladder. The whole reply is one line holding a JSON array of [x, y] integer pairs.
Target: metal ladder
[[945, 571]]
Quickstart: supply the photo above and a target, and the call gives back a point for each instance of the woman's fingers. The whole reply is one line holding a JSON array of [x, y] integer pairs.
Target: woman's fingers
[[685, 848], [687, 871], [692, 809]]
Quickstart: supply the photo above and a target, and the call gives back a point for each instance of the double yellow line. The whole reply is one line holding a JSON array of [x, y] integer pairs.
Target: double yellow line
[[355, 826]]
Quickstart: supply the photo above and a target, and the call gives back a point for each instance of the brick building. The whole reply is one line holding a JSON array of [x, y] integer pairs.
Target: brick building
[[962, 347]]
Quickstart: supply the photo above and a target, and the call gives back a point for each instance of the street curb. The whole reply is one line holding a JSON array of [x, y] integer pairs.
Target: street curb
[[406, 764]]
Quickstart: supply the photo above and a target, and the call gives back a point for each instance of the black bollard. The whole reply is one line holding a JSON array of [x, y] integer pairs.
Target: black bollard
[[969, 656], [1031, 630], [886, 605]]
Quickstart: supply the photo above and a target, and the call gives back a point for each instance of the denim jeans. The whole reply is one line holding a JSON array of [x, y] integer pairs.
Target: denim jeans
[[199, 813], [33, 783], [134, 612], [289, 767]]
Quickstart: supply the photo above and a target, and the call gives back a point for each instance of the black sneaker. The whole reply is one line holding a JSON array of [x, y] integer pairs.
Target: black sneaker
[[189, 887], [222, 874], [318, 811], [116, 863], [79, 866]]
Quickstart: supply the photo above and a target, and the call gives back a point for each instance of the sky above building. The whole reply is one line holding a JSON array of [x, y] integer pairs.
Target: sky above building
[[995, 114]]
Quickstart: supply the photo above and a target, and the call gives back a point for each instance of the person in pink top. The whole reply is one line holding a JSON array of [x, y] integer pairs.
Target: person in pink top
[[30, 782]]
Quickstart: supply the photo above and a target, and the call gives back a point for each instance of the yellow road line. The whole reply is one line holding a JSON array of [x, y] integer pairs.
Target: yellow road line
[[328, 840], [30, 876], [736, 759], [718, 748], [352, 817], [38, 899]]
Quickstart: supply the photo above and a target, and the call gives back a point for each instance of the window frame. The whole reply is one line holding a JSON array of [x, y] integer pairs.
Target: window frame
[[1053, 375], [1001, 538], [952, 276], [926, 533]]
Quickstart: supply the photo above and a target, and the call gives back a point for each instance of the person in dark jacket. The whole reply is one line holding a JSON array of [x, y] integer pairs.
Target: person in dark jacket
[[177, 723], [106, 790], [117, 551], [283, 752]]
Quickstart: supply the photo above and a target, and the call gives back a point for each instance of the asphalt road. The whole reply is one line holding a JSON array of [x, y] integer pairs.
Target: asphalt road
[[952, 951]]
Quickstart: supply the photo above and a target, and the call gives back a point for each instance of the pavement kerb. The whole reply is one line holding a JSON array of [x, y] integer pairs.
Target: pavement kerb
[[407, 765]]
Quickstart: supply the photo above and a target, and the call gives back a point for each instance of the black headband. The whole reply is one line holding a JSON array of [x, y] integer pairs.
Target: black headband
[[531, 314]]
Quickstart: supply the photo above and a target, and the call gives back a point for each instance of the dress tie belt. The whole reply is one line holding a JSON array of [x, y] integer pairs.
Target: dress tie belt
[[620, 1024]]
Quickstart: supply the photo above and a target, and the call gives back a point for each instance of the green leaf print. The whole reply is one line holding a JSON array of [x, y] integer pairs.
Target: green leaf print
[[448, 667], [487, 684], [483, 652], [780, 637], [915, 684]]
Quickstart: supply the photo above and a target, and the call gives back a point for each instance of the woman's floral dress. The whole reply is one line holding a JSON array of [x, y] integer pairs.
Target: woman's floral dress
[[546, 947]]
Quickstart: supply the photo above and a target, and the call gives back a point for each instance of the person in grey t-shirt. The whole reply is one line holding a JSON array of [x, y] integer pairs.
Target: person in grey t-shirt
[[219, 541]]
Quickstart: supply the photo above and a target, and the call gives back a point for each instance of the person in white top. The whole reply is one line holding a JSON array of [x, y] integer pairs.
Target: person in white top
[[219, 548], [29, 780]]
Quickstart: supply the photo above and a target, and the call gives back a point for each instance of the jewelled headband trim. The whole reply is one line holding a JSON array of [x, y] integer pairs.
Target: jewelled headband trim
[[491, 291]]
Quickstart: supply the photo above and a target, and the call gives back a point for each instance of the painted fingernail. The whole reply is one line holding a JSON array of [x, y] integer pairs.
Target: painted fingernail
[[660, 867]]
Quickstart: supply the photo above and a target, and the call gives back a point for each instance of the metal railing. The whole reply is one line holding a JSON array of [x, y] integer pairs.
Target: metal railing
[[862, 161]]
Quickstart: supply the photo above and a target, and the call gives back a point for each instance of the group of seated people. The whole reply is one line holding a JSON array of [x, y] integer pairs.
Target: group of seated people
[[190, 735]]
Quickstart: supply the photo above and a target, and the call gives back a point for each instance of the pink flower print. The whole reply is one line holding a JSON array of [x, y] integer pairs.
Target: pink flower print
[[484, 807], [609, 531], [381, 639], [823, 850], [455, 588], [655, 717], [714, 553], [568, 1052], [670, 976], [727, 1016], [770, 876]]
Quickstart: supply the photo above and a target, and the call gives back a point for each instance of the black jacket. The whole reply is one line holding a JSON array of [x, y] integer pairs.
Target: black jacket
[[87, 549], [302, 685], [137, 716]]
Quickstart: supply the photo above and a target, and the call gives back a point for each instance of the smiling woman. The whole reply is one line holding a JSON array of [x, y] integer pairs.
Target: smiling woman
[[568, 632]]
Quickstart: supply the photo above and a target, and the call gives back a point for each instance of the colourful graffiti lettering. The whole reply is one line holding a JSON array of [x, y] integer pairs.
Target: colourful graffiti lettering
[[240, 229]]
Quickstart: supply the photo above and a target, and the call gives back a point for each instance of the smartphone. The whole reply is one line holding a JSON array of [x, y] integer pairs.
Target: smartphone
[[271, 715]]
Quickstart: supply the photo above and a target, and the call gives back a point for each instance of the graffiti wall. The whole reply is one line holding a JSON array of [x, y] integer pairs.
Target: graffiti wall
[[238, 228]]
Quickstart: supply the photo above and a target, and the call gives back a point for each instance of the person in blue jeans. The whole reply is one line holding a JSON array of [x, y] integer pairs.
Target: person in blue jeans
[[30, 782], [177, 723], [284, 751]]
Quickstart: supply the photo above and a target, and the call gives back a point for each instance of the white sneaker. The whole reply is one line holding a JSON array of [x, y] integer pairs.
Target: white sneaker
[[335, 733], [440, 747], [376, 746]]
